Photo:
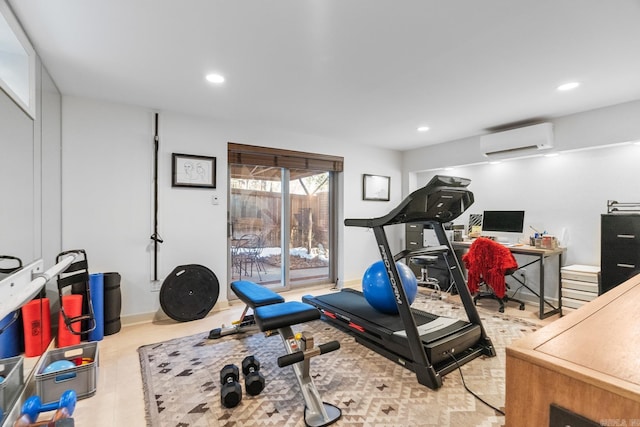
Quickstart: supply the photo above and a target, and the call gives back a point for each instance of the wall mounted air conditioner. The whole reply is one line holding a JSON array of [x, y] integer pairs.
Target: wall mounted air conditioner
[[518, 141]]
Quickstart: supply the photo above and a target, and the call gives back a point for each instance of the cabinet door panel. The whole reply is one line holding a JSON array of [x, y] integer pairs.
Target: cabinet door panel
[[414, 228], [614, 275], [414, 240], [619, 249]]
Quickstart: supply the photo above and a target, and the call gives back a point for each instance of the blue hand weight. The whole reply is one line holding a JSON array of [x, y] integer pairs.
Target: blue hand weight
[[33, 406]]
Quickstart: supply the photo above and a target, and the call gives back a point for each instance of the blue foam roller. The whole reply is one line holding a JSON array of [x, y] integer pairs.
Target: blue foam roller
[[10, 337], [96, 287]]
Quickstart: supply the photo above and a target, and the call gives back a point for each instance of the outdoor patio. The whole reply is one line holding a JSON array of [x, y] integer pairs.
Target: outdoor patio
[[264, 266]]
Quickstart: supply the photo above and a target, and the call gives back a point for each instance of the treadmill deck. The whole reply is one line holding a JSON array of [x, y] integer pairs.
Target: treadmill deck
[[439, 335]]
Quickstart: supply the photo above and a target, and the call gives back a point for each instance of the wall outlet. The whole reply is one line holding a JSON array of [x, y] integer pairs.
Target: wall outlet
[[523, 275], [156, 285]]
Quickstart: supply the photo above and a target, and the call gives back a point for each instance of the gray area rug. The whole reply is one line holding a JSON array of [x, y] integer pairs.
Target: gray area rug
[[182, 380]]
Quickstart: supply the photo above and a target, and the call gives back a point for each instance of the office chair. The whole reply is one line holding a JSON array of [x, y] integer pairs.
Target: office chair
[[487, 264]]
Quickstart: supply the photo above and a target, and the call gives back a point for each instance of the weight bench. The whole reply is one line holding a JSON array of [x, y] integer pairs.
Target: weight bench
[[270, 313], [253, 295]]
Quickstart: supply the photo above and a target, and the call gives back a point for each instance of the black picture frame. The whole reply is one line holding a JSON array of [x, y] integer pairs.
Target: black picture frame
[[188, 170], [376, 187]]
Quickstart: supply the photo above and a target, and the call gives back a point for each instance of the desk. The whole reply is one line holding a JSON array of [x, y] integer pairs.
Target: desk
[[539, 256], [586, 362]]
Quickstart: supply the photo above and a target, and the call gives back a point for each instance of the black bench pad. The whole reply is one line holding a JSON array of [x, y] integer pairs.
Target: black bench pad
[[254, 295], [274, 316]]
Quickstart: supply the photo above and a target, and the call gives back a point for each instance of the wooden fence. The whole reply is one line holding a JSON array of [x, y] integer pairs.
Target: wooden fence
[[260, 212]]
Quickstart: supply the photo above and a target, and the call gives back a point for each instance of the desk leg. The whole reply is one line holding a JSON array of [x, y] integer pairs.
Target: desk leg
[[560, 283], [542, 284], [553, 310]]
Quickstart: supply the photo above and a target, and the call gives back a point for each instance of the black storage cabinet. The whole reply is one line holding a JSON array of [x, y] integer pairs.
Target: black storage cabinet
[[619, 249], [414, 235]]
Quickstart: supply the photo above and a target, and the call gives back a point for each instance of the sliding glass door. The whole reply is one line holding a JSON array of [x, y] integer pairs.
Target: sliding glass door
[[309, 227], [281, 225], [255, 217]]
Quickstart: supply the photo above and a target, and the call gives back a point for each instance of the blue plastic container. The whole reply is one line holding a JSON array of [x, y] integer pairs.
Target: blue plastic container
[[96, 287], [10, 337]]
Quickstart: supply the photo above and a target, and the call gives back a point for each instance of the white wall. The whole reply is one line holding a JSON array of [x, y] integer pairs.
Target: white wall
[[564, 195], [108, 204], [610, 125]]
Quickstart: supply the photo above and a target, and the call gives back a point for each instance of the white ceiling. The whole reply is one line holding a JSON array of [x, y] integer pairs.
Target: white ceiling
[[358, 71]]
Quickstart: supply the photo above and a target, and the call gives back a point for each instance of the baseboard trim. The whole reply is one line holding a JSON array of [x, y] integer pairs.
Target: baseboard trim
[[136, 319], [160, 316]]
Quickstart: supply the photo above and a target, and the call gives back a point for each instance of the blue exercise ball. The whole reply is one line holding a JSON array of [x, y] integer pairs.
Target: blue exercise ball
[[58, 365], [377, 288]]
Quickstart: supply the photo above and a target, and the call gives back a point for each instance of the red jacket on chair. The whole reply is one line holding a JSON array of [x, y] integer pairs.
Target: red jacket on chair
[[488, 261]]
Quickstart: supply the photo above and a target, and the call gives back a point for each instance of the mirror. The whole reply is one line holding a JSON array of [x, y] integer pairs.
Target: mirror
[[17, 74], [30, 168], [17, 171]]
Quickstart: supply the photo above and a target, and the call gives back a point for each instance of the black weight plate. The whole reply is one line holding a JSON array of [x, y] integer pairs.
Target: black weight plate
[[189, 292]]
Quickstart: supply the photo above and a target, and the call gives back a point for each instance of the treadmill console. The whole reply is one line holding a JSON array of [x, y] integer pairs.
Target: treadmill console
[[442, 200]]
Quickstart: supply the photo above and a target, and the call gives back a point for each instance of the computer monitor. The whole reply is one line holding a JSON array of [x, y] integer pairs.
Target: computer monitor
[[495, 223]]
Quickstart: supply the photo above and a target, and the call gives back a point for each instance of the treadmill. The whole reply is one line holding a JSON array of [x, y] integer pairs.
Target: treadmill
[[429, 345]]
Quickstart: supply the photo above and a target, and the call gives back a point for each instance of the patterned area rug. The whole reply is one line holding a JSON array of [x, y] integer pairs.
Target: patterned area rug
[[182, 380]]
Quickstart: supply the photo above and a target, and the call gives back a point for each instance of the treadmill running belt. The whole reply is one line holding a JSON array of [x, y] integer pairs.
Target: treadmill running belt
[[354, 303]]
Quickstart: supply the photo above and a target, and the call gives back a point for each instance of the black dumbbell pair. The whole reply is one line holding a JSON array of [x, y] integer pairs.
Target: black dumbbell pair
[[231, 393]]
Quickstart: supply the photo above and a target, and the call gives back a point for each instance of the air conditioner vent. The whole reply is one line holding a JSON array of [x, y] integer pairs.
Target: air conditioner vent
[[524, 140]]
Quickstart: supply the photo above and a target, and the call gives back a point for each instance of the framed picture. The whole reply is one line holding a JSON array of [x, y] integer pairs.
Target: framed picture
[[376, 187], [193, 171]]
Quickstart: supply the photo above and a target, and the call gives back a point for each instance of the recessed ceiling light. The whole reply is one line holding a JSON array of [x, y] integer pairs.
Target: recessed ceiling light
[[568, 86], [423, 128], [215, 78], [552, 155]]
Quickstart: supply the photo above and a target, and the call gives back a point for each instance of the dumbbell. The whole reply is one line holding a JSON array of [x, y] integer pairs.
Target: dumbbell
[[253, 380], [64, 408], [231, 393]]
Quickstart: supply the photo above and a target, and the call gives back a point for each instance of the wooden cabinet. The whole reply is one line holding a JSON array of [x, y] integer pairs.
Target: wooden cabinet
[[619, 249], [586, 362]]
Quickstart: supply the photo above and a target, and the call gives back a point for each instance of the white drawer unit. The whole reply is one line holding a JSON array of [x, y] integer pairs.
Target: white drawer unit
[[572, 303], [581, 273], [579, 285], [579, 295]]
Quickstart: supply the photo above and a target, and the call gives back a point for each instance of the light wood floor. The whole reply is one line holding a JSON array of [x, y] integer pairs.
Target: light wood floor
[[119, 397]]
